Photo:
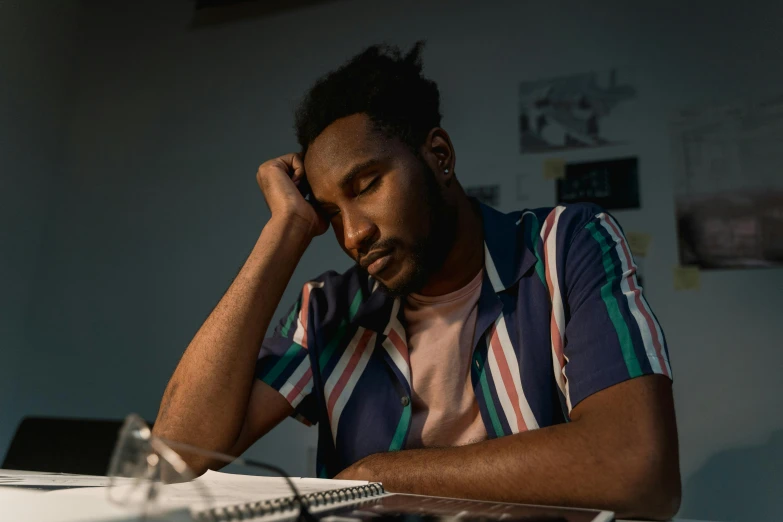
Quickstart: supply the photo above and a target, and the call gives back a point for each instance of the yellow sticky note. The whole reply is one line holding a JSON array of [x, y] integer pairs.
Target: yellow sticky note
[[639, 242], [687, 278], [554, 168]]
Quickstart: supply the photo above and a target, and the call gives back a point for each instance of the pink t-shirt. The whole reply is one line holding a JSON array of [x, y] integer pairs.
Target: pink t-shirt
[[440, 342]]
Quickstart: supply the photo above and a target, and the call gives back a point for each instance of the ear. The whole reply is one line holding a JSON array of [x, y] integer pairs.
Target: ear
[[438, 152]]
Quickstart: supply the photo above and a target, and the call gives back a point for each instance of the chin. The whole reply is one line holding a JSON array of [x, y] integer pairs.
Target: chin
[[403, 283], [393, 291]]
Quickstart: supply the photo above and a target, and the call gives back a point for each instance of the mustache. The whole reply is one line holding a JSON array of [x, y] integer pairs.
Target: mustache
[[378, 250]]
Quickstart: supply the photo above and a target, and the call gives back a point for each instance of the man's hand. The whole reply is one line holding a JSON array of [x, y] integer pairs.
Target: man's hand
[[279, 179]]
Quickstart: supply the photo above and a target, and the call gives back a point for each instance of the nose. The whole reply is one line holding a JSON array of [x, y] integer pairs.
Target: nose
[[358, 231]]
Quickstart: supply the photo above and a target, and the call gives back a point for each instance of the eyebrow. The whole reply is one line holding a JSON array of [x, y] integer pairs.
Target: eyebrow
[[351, 174]]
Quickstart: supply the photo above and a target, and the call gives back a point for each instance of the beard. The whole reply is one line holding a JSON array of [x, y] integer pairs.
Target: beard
[[428, 253]]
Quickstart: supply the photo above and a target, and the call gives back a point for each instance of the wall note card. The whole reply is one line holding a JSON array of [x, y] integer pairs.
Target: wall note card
[[612, 184], [687, 278], [554, 168], [639, 242]]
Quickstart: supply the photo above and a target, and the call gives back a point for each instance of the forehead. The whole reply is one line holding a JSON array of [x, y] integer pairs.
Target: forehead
[[346, 142]]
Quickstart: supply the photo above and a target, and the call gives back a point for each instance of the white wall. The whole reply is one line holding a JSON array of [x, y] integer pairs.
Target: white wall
[[158, 204], [36, 49]]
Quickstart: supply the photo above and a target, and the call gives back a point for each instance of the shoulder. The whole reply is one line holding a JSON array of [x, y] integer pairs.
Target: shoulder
[[560, 224], [568, 217], [540, 237]]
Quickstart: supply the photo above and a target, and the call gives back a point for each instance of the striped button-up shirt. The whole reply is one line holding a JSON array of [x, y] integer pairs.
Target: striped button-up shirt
[[561, 316]]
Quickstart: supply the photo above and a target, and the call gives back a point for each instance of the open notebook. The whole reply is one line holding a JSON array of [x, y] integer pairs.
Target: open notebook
[[242, 497], [228, 497]]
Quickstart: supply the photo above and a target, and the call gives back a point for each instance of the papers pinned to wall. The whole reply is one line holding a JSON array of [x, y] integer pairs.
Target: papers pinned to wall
[[572, 112], [612, 184], [686, 278], [554, 168], [639, 243], [728, 184]]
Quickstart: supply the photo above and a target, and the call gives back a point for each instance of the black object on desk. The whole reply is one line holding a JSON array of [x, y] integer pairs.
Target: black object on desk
[[63, 445]]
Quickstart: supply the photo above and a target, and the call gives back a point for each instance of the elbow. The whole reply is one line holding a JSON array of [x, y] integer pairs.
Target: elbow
[[651, 488], [196, 464], [662, 503]]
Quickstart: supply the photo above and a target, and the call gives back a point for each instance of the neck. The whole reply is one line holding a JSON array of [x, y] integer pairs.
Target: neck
[[466, 256]]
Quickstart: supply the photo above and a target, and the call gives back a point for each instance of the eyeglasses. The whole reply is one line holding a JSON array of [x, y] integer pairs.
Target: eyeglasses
[[151, 461]]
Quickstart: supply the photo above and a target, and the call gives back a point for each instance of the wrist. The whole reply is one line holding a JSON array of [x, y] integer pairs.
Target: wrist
[[292, 227]]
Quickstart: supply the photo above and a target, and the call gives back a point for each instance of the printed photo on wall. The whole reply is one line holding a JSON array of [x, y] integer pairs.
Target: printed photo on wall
[[612, 184], [729, 184], [572, 112]]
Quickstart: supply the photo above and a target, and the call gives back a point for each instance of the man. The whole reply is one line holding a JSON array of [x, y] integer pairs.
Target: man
[[468, 353]]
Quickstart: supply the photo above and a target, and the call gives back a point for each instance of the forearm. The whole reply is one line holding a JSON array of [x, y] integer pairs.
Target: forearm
[[517, 468], [537, 467], [622, 458], [206, 399]]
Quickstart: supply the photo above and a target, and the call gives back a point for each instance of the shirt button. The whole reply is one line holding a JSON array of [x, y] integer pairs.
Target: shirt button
[[405, 401]]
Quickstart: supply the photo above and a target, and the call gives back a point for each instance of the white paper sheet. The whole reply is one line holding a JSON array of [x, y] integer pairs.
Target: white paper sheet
[[227, 489], [92, 504], [12, 477]]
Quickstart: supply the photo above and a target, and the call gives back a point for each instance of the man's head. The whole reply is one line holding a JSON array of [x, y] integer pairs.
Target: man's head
[[381, 167]]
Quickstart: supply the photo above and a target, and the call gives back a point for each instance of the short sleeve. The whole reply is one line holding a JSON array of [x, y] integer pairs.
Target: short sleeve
[[284, 362], [611, 333]]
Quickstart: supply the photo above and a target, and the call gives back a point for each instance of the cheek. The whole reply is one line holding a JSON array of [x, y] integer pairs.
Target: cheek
[[405, 203], [410, 216]]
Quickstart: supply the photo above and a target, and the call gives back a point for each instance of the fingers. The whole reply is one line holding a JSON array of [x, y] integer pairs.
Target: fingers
[[291, 165], [297, 163], [295, 166]]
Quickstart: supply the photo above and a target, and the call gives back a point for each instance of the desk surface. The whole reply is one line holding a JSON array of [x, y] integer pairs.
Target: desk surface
[[32, 484]]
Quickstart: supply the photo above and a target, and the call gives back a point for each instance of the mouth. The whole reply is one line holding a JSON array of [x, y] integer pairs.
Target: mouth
[[375, 262]]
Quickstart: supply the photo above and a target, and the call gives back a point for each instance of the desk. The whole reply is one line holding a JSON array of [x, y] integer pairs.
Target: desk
[[31, 489]]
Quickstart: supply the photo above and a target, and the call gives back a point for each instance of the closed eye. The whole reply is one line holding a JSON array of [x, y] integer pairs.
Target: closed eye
[[372, 185]]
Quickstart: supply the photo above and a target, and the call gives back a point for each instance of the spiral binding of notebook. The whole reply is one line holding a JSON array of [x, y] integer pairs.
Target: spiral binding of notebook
[[289, 504]]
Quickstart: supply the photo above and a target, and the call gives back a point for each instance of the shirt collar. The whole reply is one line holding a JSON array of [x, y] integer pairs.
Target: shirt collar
[[375, 311], [506, 259], [506, 255]]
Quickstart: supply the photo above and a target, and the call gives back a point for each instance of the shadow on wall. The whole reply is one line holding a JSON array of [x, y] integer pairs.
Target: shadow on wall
[[740, 484]]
